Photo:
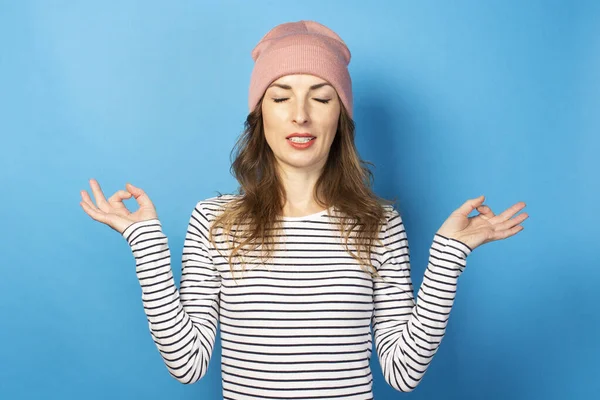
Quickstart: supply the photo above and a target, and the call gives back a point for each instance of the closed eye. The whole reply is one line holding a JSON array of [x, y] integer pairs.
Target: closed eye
[[279, 100]]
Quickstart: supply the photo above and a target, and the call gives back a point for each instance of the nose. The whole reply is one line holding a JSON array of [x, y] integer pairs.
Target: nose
[[301, 113]]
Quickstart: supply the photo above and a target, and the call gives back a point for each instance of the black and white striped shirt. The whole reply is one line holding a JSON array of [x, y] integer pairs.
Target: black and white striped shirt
[[302, 325]]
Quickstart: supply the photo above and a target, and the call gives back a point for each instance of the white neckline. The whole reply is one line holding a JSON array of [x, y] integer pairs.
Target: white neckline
[[310, 216]]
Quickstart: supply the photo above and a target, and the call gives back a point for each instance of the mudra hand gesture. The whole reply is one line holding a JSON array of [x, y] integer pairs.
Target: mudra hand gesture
[[113, 212], [485, 227]]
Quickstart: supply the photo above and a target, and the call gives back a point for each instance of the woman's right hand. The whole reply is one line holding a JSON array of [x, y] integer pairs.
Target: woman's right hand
[[113, 212]]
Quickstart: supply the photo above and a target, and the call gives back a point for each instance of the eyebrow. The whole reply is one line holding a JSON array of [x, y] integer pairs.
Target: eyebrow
[[313, 87]]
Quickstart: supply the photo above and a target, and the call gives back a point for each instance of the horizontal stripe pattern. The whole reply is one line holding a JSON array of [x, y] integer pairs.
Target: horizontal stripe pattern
[[302, 325]]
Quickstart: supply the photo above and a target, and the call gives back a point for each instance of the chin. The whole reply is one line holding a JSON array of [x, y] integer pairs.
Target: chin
[[301, 162]]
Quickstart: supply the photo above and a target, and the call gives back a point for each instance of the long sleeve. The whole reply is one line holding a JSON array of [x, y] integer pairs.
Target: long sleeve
[[183, 323], [407, 334]]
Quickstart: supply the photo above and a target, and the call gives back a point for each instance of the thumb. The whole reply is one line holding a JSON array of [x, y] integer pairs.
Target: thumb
[[139, 195], [470, 205]]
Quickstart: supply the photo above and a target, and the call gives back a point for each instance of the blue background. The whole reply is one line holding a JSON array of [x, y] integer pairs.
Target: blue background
[[452, 100]]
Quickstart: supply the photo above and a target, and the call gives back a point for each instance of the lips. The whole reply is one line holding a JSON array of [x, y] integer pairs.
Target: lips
[[302, 145], [299, 135]]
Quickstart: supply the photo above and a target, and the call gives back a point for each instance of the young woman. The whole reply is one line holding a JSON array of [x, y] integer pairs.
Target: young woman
[[305, 263]]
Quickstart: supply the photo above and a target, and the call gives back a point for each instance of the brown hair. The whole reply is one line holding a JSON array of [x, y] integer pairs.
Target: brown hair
[[344, 183]]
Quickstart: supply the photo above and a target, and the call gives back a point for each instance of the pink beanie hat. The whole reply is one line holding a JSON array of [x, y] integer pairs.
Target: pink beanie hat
[[303, 47]]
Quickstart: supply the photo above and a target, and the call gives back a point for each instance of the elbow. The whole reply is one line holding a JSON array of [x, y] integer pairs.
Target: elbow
[[404, 388], [182, 381], [404, 373], [401, 380], [190, 372], [186, 379], [407, 389], [186, 382]]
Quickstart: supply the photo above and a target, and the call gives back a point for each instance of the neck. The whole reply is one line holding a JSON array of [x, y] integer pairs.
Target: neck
[[299, 186]]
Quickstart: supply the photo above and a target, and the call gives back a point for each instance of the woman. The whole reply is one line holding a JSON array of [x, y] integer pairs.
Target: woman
[[302, 262]]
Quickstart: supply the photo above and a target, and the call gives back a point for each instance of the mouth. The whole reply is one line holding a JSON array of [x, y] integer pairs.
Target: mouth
[[301, 140], [301, 143]]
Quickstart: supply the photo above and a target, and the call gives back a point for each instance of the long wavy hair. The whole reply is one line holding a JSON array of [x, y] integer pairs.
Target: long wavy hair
[[252, 220]]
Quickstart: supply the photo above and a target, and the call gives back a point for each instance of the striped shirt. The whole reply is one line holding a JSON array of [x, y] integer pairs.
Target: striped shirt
[[302, 325]]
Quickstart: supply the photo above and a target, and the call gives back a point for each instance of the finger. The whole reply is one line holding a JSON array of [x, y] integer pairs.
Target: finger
[[119, 196], [498, 235], [485, 212], [93, 213], [511, 222], [86, 198], [509, 212], [140, 196], [98, 195], [470, 205]]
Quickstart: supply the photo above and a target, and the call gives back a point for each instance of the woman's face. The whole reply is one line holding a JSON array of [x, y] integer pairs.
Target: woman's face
[[301, 104]]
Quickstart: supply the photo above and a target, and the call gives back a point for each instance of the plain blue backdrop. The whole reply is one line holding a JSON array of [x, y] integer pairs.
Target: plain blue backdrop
[[452, 100]]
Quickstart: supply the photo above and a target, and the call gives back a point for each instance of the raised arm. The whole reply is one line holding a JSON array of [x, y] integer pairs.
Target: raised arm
[[408, 334], [183, 323]]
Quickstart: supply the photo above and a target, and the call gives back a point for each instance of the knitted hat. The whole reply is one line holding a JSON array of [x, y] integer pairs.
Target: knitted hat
[[303, 47]]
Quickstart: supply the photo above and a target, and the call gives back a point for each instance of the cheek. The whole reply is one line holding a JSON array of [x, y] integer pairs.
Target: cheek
[[272, 128], [272, 118], [331, 119], [332, 124], [267, 121]]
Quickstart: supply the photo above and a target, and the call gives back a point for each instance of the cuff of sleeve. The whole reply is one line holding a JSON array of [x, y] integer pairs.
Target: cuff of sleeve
[[451, 250], [135, 230], [461, 248]]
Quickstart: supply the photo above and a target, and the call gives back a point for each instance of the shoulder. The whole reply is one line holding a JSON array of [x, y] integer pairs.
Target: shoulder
[[393, 225], [211, 207], [391, 214]]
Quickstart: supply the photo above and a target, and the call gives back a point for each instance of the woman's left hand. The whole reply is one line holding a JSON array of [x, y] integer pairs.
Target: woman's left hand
[[485, 227]]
